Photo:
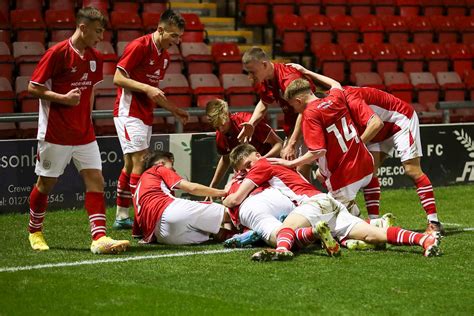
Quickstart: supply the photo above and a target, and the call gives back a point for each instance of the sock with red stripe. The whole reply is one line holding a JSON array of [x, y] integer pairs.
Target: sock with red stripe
[[124, 196], [285, 239], [95, 207], [133, 182], [372, 198], [400, 236], [304, 236], [38, 204], [424, 189]]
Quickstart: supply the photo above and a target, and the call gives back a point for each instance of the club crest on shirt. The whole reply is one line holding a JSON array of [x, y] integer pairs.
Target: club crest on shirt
[[93, 65], [46, 164]]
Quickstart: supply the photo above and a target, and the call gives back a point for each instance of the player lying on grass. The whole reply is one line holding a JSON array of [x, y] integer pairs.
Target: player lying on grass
[[228, 126], [317, 211], [170, 220]]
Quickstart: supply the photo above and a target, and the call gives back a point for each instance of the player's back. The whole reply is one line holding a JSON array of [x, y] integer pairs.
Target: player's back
[[386, 101]]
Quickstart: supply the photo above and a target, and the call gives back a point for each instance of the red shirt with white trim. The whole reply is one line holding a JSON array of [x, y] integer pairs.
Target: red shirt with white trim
[[153, 195], [142, 62], [62, 69], [328, 127], [225, 142], [272, 91], [286, 180]]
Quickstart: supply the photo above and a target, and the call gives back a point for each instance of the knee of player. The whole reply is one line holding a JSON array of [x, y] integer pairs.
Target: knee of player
[[412, 170]]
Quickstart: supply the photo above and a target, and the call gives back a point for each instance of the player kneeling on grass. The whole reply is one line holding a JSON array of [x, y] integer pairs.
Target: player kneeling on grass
[[320, 211], [169, 220]]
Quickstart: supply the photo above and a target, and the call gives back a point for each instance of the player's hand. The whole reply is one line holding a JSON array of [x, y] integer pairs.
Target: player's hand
[[73, 97], [298, 67], [155, 94], [245, 135], [181, 115], [281, 162], [288, 153]]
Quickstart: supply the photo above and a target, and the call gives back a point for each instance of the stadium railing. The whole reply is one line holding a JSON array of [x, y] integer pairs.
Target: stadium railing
[[451, 105]]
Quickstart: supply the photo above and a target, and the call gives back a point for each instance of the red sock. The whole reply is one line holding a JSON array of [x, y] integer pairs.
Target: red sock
[[400, 236], [372, 197], [38, 204], [133, 182], [285, 239], [424, 189], [95, 207], [124, 196], [304, 236]]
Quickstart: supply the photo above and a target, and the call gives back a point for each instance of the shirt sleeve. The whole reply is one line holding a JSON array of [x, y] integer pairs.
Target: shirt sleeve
[[360, 111], [313, 132], [132, 56], [221, 146], [46, 68], [260, 173], [170, 177]]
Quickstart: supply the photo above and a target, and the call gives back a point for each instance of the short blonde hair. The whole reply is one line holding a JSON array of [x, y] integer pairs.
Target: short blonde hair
[[297, 87], [217, 112], [254, 54], [239, 153]]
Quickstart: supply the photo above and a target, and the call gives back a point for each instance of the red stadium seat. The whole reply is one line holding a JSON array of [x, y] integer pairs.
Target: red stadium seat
[[227, 57], [238, 90], [29, 4], [408, 7], [384, 7], [308, 7], [359, 59], [105, 100], [346, 29], [331, 61], [27, 104], [130, 7], [7, 97], [282, 7], [465, 26], [5, 37], [102, 5], [109, 56], [27, 55], [461, 58], [445, 29], [359, 8], [6, 62], [61, 24], [436, 57], [451, 85], [334, 7], [150, 21], [421, 29], [426, 88], [121, 47], [432, 7], [194, 29], [428, 114], [455, 7], [29, 25], [396, 29], [155, 7], [369, 79], [385, 57], [290, 31], [197, 57], [411, 57], [205, 87], [371, 28], [399, 85], [255, 12], [127, 25], [319, 28], [469, 80], [62, 4]]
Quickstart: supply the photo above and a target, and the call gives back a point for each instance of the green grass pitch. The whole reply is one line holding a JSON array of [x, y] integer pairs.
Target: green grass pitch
[[392, 282]]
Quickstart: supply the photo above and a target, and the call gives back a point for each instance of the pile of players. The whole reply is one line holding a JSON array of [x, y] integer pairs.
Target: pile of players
[[349, 132]]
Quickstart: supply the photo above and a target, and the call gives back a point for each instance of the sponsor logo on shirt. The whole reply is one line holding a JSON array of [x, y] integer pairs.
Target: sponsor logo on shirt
[[84, 76], [73, 69], [152, 62]]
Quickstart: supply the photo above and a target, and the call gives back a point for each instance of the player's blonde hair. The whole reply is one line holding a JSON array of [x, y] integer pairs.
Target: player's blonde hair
[[239, 153], [254, 54], [297, 87], [90, 14], [217, 112]]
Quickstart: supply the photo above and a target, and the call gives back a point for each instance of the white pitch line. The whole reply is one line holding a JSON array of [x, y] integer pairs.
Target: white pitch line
[[451, 224], [90, 262]]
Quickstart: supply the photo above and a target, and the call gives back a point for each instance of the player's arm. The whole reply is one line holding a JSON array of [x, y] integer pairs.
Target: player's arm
[[221, 169], [199, 189], [317, 77], [72, 98], [179, 113], [276, 142], [248, 128], [306, 159], [374, 125], [289, 152], [122, 79], [239, 196]]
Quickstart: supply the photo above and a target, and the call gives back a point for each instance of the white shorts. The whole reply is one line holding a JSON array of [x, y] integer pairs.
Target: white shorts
[[189, 222], [133, 134], [260, 212], [323, 207], [348, 193], [300, 147], [52, 159], [406, 141]]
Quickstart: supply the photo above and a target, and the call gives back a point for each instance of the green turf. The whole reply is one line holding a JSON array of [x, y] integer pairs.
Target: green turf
[[392, 282]]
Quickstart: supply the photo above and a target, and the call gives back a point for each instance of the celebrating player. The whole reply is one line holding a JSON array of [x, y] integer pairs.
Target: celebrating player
[[64, 81], [270, 80], [228, 126], [141, 67], [169, 220]]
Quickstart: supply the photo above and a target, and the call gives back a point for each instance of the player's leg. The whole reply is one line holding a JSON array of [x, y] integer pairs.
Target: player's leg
[[51, 161], [372, 190], [124, 196], [87, 161], [305, 171]]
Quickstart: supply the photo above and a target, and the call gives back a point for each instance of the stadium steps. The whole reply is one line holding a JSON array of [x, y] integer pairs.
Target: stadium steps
[[219, 23], [201, 9], [226, 36]]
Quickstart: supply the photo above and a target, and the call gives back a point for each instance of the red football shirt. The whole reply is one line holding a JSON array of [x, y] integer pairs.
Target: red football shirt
[[62, 69], [153, 195], [288, 181], [228, 141], [328, 127], [145, 63], [272, 91]]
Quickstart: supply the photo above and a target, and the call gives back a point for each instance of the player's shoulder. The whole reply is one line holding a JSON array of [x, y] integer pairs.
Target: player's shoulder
[[142, 41], [59, 47]]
